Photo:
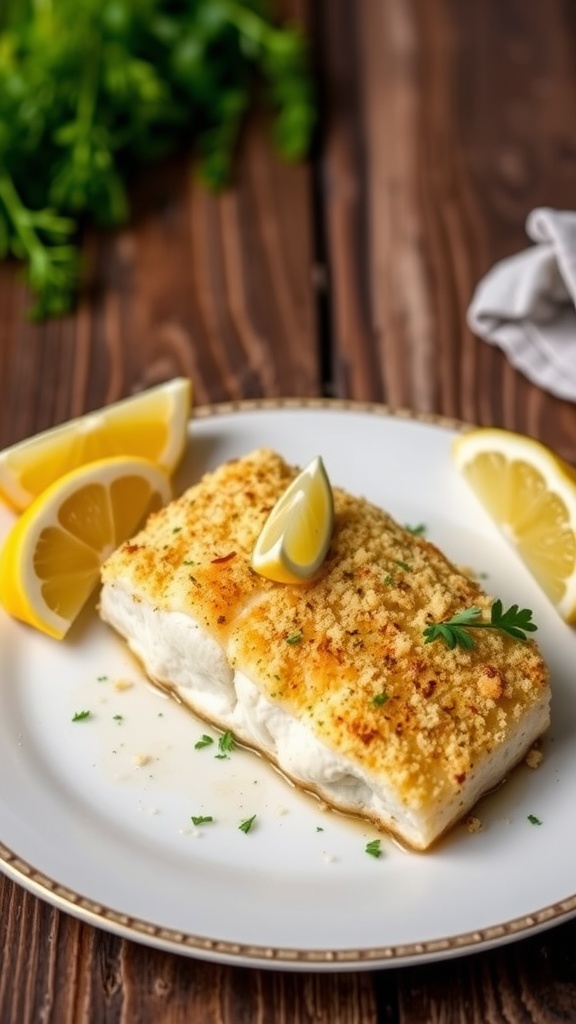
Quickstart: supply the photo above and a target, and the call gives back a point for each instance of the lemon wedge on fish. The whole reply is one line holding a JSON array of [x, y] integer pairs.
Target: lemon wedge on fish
[[295, 538]]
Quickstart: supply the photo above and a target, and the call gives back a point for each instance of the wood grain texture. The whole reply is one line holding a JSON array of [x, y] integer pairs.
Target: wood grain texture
[[56, 970], [446, 124], [443, 124], [219, 288], [532, 982]]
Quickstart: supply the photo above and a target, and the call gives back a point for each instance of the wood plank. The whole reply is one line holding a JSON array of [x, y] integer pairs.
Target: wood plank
[[221, 288], [216, 287], [446, 123], [531, 982], [55, 968], [427, 168], [459, 122]]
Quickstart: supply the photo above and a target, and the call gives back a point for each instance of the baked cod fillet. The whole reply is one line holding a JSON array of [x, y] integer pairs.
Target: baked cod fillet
[[331, 679]]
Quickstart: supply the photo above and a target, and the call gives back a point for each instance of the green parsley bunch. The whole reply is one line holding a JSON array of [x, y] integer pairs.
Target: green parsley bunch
[[90, 90]]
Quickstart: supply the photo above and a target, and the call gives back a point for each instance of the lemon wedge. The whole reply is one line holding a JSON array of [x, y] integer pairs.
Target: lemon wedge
[[531, 494], [50, 562], [151, 425], [296, 535]]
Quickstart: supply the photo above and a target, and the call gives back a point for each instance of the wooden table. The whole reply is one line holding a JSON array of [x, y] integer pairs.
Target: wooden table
[[442, 124]]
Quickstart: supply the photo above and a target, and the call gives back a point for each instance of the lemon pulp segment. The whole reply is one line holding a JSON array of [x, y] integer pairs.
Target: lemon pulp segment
[[50, 561]]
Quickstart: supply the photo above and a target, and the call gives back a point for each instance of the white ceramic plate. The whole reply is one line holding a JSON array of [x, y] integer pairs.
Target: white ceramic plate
[[95, 815]]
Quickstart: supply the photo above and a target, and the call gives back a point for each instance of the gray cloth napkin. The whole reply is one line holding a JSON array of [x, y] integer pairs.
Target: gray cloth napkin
[[527, 304]]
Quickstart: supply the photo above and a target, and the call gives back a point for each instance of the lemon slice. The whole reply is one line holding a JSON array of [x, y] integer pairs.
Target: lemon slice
[[151, 425], [295, 538], [531, 494], [50, 561]]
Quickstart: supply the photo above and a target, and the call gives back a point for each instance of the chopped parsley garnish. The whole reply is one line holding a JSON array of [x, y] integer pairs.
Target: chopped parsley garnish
[[201, 819], [226, 744], [102, 88], [101, 679], [416, 531], [380, 698], [295, 638], [81, 716], [204, 741], [403, 565], [118, 718], [534, 820], [319, 828], [515, 622], [247, 824], [388, 579], [374, 848]]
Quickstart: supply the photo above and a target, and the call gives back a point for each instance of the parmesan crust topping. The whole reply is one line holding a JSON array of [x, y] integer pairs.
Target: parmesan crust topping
[[343, 652]]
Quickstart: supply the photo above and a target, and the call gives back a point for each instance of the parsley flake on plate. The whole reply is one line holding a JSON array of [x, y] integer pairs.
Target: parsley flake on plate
[[374, 848], [204, 741], [226, 744], [81, 716]]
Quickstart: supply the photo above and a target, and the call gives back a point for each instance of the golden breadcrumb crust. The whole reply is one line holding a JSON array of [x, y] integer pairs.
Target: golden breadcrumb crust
[[345, 651]]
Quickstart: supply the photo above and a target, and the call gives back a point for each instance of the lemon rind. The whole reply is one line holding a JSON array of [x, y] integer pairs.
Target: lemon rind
[[178, 394], [276, 564], [559, 476], [20, 587]]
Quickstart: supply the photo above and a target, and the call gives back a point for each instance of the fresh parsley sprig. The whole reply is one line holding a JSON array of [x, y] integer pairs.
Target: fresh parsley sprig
[[101, 89], [515, 622]]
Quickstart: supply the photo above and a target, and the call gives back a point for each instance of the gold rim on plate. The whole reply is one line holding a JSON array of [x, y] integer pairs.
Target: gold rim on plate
[[140, 930]]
